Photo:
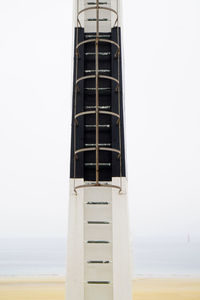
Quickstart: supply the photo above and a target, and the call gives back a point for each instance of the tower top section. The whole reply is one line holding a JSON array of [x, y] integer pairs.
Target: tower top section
[[108, 12], [97, 145]]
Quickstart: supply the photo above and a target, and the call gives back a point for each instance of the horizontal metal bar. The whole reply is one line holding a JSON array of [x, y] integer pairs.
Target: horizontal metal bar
[[98, 242], [97, 203], [100, 53], [100, 107], [100, 126], [94, 3], [99, 89], [100, 164], [100, 35], [100, 20], [98, 223], [100, 145], [98, 282], [100, 71], [98, 262]]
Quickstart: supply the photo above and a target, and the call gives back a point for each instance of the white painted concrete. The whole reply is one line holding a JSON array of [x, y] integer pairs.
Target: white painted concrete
[[121, 243], [75, 246], [98, 243]]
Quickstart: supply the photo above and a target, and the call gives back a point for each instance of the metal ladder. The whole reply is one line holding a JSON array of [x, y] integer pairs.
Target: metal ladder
[[96, 86], [104, 126]]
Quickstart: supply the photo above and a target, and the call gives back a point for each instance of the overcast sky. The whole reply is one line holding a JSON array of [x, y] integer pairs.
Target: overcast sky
[[162, 81]]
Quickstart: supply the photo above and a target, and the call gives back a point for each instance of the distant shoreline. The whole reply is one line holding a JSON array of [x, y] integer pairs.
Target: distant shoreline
[[54, 279]]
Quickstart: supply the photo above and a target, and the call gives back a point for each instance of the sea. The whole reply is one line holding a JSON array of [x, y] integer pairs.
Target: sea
[[158, 257]]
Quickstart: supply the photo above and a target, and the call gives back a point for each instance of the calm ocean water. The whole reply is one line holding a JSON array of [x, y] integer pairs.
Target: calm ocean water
[[170, 257]]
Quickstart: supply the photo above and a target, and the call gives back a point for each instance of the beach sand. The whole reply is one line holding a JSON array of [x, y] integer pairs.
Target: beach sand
[[143, 289], [32, 289], [166, 289]]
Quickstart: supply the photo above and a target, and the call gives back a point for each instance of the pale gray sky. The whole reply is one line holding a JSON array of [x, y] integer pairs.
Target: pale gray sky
[[162, 80]]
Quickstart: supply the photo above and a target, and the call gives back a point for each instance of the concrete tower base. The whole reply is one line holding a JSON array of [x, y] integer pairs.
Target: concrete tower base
[[98, 254]]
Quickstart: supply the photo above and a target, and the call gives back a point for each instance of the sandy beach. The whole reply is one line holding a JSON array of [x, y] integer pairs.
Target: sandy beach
[[32, 289], [166, 289], [143, 289]]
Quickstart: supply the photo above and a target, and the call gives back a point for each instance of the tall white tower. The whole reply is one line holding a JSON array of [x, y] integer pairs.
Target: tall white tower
[[98, 253]]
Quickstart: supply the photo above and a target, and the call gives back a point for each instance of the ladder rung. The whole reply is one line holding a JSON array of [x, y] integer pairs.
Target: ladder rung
[[100, 53], [100, 20], [94, 3], [97, 203], [100, 107], [98, 262], [98, 242], [100, 126], [100, 36], [100, 164], [99, 89], [100, 145], [98, 282], [98, 223], [100, 71]]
